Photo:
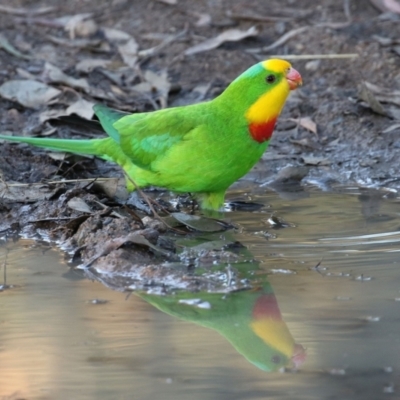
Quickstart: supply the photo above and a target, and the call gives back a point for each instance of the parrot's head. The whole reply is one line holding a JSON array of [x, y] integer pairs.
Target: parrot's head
[[259, 94], [281, 72], [275, 77], [268, 84]]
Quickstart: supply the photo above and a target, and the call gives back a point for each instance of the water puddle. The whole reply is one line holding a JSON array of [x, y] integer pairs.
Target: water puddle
[[321, 320]]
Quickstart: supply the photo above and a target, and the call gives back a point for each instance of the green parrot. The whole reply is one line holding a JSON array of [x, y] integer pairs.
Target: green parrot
[[201, 148]]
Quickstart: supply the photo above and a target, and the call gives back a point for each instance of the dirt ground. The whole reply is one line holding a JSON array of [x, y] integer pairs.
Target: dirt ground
[[342, 126]]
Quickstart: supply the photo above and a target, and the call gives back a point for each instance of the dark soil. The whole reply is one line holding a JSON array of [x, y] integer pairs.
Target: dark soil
[[352, 144]]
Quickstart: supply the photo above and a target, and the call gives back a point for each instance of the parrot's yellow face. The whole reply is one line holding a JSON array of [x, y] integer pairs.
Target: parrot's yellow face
[[280, 78], [270, 82]]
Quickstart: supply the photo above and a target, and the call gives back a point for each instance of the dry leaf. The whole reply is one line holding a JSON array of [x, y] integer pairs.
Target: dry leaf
[[9, 48], [78, 25], [311, 160], [230, 35], [113, 187], [116, 34], [313, 65], [143, 87], [82, 108], [204, 19], [57, 156], [89, 64], [160, 83], [383, 94], [307, 123], [392, 128], [81, 28], [129, 52], [54, 74], [25, 11], [155, 84], [117, 91], [25, 193], [169, 2], [365, 94], [48, 114], [127, 45], [29, 93], [387, 5], [22, 73], [305, 142], [78, 204], [385, 41], [93, 44]]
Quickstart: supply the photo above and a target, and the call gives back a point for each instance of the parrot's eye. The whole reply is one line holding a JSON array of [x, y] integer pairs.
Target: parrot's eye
[[270, 78], [276, 359]]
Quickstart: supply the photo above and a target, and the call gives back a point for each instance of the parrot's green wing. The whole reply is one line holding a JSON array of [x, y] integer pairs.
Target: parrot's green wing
[[107, 118], [146, 137]]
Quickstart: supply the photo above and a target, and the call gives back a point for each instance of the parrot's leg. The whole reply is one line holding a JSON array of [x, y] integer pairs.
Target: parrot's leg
[[211, 201]]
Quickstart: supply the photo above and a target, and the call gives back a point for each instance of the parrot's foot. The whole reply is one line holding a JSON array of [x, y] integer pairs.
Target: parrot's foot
[[213, 201]]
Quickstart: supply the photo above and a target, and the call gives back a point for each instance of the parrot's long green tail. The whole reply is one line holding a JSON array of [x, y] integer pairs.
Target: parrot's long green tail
[[89, 147], [104, 148]]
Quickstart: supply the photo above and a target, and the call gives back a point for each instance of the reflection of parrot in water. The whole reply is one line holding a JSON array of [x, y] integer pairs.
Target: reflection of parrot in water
[[201, 148], [250, 320]]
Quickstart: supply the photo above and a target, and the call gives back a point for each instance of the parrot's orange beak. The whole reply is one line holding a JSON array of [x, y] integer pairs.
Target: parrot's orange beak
[[299, 355], [294, 79]]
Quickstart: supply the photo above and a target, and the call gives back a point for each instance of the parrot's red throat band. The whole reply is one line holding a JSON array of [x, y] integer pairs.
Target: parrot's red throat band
[[262, 132], [266, 306]]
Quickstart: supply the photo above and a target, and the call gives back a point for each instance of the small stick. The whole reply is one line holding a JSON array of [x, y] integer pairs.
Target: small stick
[[90, 180], [283, 39], [4, 286], [112, 212], [258, 18], [346, 9], [25, 11], [314, 56], [148, 200]]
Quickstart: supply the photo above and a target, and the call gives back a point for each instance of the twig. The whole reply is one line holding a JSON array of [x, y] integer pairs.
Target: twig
[[314, 56], [144, 55], [10, 49], [333, 25], [316, 268], [145, 198], [294, 32], [112, 212], [25, 11], [283, 39], [257, 18], [91, 180], [346, 9], [70, 168], [148, 200], [229, 275], [35, 221], [4, 285], [51, 23]]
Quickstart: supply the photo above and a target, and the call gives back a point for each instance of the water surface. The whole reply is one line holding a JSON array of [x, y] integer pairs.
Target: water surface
[[333, 272]]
